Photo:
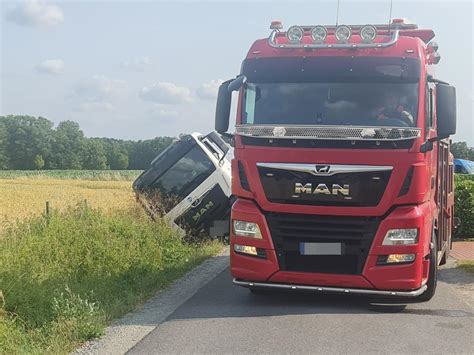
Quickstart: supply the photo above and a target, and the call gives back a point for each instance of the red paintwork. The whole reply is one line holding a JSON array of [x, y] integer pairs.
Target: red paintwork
[[417, 209]]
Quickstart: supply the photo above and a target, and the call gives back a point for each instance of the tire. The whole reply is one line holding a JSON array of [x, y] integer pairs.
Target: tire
[[433, 273]]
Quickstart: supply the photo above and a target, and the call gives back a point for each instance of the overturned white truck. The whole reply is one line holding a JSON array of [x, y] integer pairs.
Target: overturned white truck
[[189, 184]]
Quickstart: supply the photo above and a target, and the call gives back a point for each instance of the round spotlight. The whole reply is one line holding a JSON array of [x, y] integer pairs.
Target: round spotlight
[[368, 33], [343, 33], [295, 34], [319, 34]]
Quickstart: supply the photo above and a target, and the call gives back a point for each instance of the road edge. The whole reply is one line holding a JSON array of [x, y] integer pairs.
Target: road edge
[[124, 333]]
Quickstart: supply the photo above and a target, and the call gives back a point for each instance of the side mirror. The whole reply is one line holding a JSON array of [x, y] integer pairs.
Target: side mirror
[[224, 98], [445, 110]]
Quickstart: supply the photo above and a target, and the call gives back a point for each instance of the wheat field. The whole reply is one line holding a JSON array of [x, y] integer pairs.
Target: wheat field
[[24, 197]]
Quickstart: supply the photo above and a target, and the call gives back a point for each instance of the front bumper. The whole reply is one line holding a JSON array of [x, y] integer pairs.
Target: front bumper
[[408, 278], [325, 289]]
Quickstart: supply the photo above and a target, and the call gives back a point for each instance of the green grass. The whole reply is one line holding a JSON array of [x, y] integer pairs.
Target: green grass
[[106, 175], [64, 279], [467, 265]]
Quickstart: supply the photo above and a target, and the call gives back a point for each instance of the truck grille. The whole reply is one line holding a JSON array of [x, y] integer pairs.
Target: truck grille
[[365, 188], [354, 233]]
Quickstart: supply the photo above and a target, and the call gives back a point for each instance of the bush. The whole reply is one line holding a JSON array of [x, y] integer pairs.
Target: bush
[[464, 205], [63, 278], [463, 177]]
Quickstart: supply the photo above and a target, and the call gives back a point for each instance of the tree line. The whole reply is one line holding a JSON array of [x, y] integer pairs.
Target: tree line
[[28, 143]]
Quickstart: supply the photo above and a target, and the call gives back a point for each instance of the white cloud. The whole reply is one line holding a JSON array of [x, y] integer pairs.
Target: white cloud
[[99, 88], [51, 66], [208, 91], [99, 94], [165, 93], [36, 13], [139, 64]]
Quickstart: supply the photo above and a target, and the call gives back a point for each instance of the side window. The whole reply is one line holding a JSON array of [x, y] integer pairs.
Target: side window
[[249, 108]]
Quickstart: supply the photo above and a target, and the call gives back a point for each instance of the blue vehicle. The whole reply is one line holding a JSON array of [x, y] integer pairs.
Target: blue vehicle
[[462, 166]]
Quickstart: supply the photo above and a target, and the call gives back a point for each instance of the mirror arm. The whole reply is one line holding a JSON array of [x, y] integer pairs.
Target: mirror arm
[[432, 79], [237, 83]]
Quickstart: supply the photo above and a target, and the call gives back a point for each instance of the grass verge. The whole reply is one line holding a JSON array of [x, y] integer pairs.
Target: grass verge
[[467, 265], [63, 279]]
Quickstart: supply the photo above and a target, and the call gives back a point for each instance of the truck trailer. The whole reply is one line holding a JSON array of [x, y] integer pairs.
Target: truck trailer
[[342, 171]]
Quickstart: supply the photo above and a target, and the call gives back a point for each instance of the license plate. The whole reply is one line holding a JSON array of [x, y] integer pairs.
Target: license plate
[[321, 248]]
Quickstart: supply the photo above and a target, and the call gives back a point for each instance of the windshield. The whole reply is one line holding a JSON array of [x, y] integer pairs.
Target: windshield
[[180, 180], [340, 103]]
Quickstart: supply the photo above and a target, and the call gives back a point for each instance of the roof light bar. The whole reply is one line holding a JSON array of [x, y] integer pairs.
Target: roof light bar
[[342, 33]]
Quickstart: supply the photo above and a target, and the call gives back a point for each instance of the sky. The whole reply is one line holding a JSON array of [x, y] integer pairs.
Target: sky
[[141, 69]]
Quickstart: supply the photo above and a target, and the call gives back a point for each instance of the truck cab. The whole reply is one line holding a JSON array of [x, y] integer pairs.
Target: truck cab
[[189, 185], [342, 170]]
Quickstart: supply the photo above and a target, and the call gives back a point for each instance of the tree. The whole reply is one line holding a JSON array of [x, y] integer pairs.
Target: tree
[[117, 160], [27, 137], [68, 146], [4, 160], [39, 162], [94, 157], [461, 150]]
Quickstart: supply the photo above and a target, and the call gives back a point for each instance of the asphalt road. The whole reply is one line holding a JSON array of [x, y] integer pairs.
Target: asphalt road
[[221, 318]]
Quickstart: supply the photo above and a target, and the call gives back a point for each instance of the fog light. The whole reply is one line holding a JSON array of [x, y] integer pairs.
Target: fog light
[[401, 236], [245, 249], [400, 258], [247, 229]]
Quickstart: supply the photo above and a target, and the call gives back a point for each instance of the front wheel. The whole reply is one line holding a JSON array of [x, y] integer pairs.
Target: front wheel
[[433, 272]]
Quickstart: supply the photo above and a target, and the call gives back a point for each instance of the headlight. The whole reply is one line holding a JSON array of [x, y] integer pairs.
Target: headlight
[[343, 33], [401, 237], [319, 34], [247, 229], [368, 33], [295, 34]]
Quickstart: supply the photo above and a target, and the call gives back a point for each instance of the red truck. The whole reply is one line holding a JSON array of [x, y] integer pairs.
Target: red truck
[[342, 171]]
